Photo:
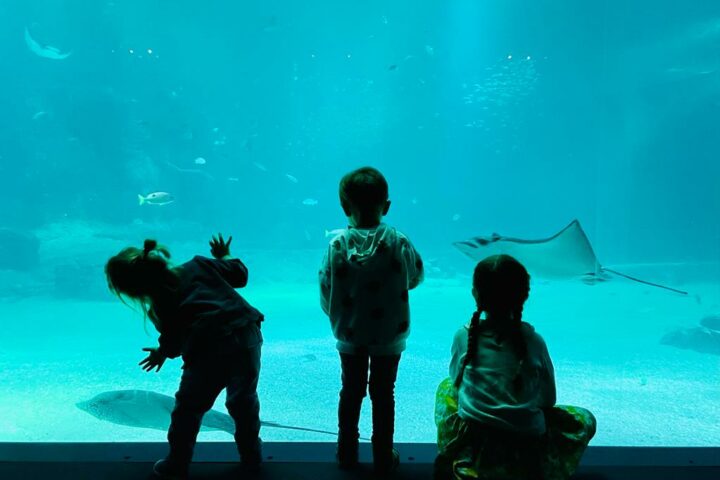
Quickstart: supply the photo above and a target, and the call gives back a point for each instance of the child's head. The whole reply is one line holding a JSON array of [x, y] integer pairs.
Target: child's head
[[500, 286], [364, 196], [139, 273]]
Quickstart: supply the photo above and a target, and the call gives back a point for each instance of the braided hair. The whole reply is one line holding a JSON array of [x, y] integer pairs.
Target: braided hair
[[143, 276], [502, 285]]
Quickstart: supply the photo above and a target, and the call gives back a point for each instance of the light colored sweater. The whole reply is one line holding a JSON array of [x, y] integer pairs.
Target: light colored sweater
[[488, 393], [364, 283]]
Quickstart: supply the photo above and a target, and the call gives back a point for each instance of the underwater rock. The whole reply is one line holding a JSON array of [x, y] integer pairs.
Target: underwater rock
[[698, 339], [80, 281], [711, 321], [18, 250]]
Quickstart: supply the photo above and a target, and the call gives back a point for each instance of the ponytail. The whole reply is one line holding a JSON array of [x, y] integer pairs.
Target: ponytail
[[143, 276], [472, 346], [150, 246]]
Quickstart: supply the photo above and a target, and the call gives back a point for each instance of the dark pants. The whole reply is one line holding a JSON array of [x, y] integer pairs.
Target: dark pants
[[236, 370], [383, 373]]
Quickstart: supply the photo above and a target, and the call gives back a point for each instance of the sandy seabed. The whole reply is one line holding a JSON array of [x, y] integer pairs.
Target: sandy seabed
[[604, 340]]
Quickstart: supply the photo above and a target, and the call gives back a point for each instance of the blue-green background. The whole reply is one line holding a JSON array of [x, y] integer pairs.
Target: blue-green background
[[485, 116]]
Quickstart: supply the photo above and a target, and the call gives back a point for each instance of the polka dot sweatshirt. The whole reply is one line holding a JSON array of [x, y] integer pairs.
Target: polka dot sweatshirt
[[364, 283]]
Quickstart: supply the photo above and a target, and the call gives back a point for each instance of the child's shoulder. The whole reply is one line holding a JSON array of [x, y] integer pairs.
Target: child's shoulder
[[462, 334], [531, 334], [393, 233]]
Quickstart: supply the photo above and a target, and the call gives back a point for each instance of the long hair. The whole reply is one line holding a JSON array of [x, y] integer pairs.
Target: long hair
[[502, 285], [143, 276]]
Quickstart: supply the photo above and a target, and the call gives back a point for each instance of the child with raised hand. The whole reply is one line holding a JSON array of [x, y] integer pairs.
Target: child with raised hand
[[365, 279], [199, 315], [496, 414]]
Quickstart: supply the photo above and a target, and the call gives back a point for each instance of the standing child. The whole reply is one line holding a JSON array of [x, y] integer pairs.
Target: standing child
[[365, 278], [496, 414], [199, 315]]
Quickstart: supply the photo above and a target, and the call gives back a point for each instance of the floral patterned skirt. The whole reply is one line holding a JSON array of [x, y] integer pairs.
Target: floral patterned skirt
[[468, 450]]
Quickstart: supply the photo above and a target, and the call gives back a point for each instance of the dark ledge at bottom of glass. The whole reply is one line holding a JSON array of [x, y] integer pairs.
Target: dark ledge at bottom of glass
[[300, 452]]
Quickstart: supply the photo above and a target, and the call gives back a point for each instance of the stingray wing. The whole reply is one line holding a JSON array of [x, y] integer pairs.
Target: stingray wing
[[45, 52], [566, 254]]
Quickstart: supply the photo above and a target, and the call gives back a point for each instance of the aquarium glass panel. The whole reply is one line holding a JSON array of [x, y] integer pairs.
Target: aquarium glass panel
[[582, 138]]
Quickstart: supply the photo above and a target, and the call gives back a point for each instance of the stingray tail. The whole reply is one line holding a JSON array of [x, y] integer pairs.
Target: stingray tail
[[644, 282], [303, 429], [224, 422]]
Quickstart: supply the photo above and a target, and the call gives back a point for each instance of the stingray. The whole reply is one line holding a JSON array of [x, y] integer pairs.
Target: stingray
[[146, 409], [567, 254], [46, 51]]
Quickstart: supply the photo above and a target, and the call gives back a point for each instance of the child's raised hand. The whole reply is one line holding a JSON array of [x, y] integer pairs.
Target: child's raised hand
[[219, 248], [153, 360]]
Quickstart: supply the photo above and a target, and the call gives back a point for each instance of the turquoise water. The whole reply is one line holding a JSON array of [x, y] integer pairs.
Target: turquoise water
[[485, 117]]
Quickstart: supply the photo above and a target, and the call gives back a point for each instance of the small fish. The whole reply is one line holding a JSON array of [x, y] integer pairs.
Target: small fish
[[200, 161], [456, 217], [39, 115], [392, 67], [429, 50], [233, 179], [291, 178], [156, 198], [310, 202], [260, 166], [332, 233]]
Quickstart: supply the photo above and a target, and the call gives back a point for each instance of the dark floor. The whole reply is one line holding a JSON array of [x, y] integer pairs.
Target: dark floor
[[307, 471]]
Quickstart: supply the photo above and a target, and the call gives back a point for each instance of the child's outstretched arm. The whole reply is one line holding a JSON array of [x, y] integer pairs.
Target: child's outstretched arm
[[231, 269], [155, 359]]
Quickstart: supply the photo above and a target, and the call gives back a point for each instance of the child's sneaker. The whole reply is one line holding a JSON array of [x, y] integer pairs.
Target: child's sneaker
[[252, 458], [347, 455], [385, 464], [168, 470]]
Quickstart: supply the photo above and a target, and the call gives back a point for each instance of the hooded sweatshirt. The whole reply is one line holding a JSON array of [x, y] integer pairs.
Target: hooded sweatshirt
[[365, 278]]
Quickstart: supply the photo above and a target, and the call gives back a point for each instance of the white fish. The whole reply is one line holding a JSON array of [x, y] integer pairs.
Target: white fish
[[310, 202], [429, 50], [332, 233], [233, 179], [456, 217], [156, 198], [291, 178], [200, 161], [44, 51], [260, 166], [39, 115]]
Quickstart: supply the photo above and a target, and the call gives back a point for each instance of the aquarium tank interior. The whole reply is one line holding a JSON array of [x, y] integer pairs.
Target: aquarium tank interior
[[582, 137]]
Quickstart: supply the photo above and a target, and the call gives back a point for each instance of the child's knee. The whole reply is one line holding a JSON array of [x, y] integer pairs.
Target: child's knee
[[243, 404], [380, 391], [353, 390]]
